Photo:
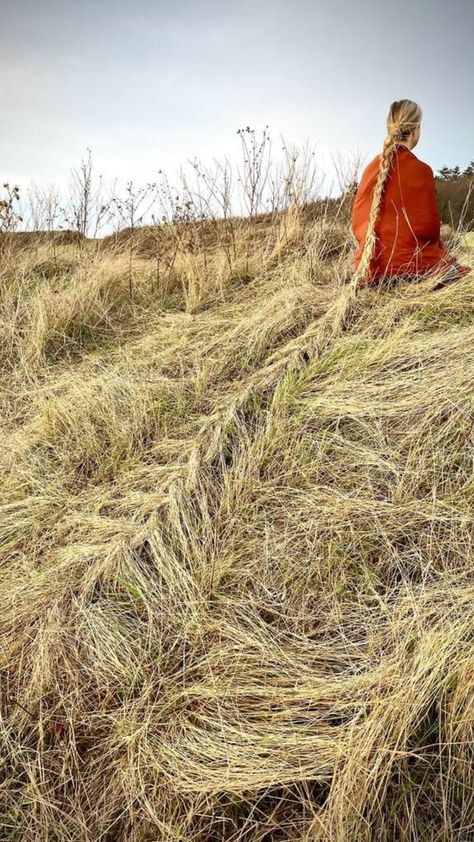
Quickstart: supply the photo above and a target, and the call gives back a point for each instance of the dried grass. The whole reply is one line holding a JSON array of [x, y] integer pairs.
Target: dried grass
[[236, 546]]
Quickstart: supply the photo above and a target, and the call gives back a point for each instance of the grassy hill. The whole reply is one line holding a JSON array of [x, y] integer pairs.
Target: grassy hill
[[236, 542]]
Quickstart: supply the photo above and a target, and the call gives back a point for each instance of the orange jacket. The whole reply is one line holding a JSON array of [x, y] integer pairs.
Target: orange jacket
[[408, 225]]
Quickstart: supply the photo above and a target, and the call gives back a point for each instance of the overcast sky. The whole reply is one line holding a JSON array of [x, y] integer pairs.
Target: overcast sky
[[148, 84]]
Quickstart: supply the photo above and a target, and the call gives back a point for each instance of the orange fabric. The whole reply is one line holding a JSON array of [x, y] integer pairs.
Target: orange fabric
[[408, 225]]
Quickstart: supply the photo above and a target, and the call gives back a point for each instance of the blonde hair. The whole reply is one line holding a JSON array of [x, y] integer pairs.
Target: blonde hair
[[404, 116]]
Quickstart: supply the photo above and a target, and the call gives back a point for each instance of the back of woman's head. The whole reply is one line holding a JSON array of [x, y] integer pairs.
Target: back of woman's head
[[403, 118]]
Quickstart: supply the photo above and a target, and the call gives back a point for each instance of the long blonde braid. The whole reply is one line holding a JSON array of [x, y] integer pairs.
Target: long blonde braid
[[403, 117]]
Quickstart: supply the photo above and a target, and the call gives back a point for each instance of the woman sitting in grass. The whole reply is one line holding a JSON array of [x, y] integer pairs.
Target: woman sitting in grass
[[395, 218]]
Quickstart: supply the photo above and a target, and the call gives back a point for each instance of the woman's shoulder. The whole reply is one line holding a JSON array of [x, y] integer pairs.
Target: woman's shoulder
[[401, 153], [375, 162], [371, 168], [407, 162], [414, 161], [428, 170]]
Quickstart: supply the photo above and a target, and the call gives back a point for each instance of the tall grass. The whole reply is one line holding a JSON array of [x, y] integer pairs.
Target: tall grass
[[236, 540]]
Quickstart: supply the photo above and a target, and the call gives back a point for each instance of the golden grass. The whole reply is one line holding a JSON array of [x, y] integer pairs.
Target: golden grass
[[236, 546]]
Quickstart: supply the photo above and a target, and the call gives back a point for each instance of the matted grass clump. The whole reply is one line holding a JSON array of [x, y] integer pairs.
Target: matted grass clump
[[236, 546]]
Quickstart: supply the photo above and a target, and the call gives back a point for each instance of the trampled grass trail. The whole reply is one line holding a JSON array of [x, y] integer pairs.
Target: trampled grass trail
[[236, 547]]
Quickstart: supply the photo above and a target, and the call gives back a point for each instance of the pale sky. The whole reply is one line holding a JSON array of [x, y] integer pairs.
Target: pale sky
[[149, 84]]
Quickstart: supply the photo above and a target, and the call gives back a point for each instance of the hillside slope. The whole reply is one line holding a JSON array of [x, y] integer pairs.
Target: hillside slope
[[236, 544]]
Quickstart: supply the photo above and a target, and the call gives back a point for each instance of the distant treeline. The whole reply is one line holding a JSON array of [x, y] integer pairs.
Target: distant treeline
[[455, 193], [448, 173]]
